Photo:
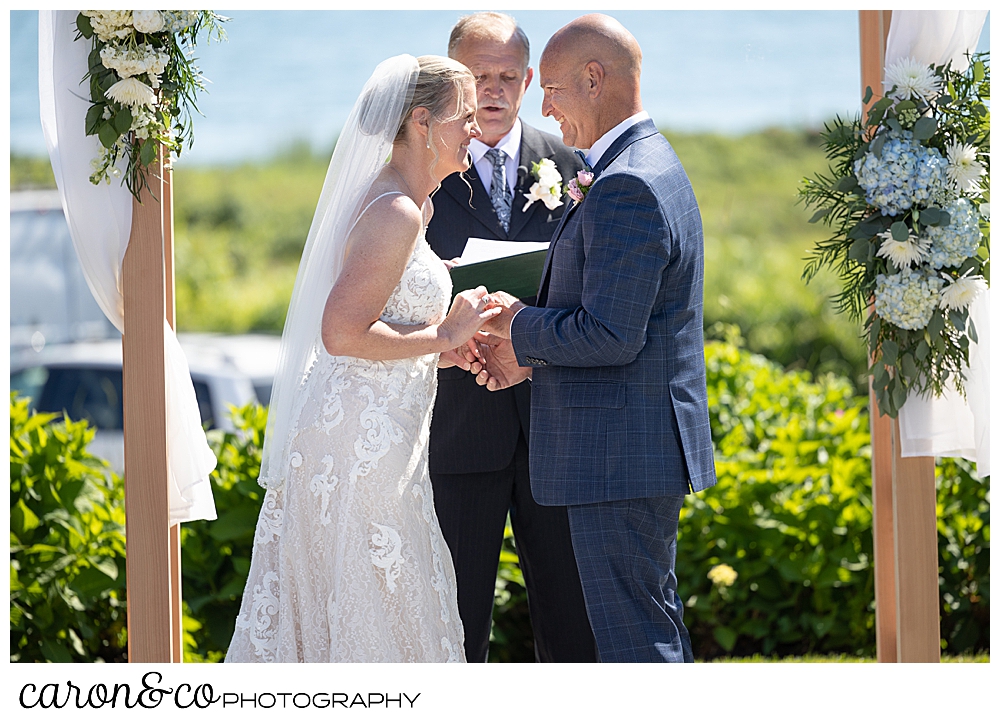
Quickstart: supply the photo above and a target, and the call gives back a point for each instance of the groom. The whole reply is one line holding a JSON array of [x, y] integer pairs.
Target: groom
[[614, 349]]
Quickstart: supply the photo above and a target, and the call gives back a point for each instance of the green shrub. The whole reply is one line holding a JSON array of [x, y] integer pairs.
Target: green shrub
[[215, 555], [67, 544], [791, 516]]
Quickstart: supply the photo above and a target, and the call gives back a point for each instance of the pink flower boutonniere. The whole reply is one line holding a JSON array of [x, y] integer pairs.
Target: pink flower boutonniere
[[580, 185]]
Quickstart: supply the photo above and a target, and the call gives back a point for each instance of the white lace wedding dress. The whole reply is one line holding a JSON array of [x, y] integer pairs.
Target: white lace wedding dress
[[349, 564]]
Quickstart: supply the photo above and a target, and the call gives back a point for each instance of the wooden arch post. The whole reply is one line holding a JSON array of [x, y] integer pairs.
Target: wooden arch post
[[904, 500], [152, 551]]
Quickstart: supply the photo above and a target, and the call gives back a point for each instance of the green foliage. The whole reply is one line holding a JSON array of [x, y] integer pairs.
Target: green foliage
[[215, 555], [511, 639], [67, 544], [30, 172], [791, 515]]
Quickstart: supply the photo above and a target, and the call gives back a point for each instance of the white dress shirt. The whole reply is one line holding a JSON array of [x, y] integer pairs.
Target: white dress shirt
[[509, 144], [604, 142]]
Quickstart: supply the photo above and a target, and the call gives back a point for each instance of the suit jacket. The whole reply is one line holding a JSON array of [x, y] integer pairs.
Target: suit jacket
[[619, 406], [472, 429]]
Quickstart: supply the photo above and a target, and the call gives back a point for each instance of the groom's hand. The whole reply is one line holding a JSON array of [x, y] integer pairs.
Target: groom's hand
[[467, 357], [499, 325], [498, 368]]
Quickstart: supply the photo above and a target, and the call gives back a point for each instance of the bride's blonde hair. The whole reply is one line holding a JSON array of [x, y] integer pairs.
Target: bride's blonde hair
[[440, 88]]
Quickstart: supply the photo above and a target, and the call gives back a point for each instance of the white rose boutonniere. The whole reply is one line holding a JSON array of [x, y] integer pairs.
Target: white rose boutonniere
[[548, 186]]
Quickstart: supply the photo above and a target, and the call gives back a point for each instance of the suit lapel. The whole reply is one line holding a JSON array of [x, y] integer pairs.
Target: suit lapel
[[481, 206], [641, 130]]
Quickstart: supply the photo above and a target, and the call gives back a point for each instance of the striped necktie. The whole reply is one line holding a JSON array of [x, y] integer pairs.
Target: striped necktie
[[499, 191]]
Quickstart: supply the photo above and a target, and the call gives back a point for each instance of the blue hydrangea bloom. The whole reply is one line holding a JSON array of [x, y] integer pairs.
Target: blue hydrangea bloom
[[908, 174], [954, 243], [908, 299]]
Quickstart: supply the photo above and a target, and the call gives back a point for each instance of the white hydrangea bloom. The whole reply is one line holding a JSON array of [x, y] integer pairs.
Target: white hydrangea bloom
[[909, 78], [906, 175], [147, 21], [723, 575], [907, 299], [177, 20], [110, 25], [952, 244], [129, 62]]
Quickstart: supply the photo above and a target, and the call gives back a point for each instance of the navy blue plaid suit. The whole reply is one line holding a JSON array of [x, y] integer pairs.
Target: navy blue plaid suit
[[619, 412]]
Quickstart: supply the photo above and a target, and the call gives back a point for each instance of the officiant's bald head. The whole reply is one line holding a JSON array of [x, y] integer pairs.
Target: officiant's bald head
[[589, 73]]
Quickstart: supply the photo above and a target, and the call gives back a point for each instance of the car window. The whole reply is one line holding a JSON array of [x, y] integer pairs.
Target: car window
[[88, 393], [84, 393]]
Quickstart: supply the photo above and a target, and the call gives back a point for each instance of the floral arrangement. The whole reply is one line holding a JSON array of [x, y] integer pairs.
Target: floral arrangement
[[547, 187], [142, 84], [907, 196]]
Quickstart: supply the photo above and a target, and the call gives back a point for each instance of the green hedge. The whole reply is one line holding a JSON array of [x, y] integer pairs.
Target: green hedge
[[67, 544], [774, 560]]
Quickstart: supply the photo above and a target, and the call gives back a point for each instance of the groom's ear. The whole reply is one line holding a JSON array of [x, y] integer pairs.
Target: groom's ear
[[594, 78]]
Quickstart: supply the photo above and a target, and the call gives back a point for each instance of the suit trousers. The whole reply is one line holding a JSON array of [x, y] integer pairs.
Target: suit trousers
[[472, 511], [626, 551]]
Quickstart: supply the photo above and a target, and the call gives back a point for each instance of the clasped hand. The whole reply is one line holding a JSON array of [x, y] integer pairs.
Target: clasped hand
[[489, 354]]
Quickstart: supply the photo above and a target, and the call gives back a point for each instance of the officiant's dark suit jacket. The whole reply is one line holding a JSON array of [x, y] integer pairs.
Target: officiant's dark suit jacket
[[478, 442], [619, 413]]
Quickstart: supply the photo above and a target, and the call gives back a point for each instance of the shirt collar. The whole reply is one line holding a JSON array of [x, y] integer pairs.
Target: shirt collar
[[604, 142], [509, 144]]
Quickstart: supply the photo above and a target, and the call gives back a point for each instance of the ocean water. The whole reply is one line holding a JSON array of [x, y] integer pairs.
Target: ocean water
[[290, 76]]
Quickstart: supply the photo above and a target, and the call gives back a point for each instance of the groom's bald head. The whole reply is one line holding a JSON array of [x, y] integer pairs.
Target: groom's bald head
[[589, 72]]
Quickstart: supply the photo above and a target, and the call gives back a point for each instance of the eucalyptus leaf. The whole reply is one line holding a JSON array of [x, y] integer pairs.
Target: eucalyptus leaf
[[930, 216], [123, 120], [898, 396], [971, 331], [978, 71], [94, 117], [889, 351], [936, 325], [147, 154], [957, 318], [859, 251], [877, 145], [868, 95], [945, 219], [847, 184], [108, 135], [819, 214], [908, 366], [894, 124], [924, 128], [84, 26], [922, 350], [899, 231]]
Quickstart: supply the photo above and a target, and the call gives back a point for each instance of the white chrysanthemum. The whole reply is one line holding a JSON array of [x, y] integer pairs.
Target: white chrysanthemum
[[131, 92], [961, 292], [911, 79], [902, 253], [147, 21], [723, 575], [963, 168]]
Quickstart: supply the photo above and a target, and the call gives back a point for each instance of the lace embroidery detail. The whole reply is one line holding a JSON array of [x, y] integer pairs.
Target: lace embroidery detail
[[387, 554], [326, 582]]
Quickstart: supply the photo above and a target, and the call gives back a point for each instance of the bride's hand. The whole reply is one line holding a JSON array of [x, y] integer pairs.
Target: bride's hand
[[467, 316]]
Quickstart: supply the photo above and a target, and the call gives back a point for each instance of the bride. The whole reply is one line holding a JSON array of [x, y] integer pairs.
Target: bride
[[349, 564]]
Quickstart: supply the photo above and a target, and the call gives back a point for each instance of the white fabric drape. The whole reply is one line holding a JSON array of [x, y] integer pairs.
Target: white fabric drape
[[949, 425], [100, 219]]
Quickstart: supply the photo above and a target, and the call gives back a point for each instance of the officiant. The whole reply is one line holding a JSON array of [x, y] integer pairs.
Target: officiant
[[478, 442]]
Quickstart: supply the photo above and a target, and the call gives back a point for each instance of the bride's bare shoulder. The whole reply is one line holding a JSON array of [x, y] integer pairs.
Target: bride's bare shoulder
[[389, 214]]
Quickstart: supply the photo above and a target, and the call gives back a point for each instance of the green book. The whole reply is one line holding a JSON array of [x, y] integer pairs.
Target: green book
[[518, 275]]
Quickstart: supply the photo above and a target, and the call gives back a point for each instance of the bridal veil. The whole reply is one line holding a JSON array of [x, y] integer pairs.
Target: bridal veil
[[363, 148]]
